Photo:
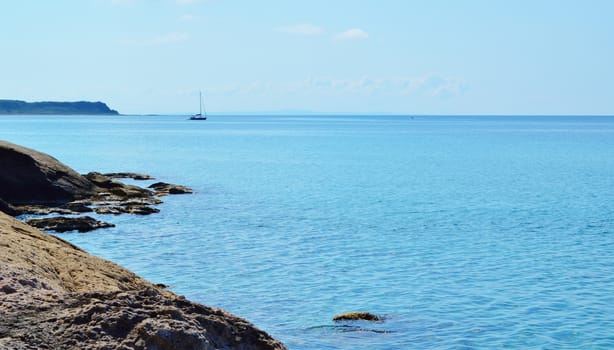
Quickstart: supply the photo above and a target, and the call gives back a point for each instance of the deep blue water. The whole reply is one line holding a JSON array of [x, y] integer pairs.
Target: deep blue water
[[463, 232]]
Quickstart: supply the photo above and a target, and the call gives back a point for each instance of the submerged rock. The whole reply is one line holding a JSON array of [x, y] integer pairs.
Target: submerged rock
[[54, 295], [355, 316], [64, 224]]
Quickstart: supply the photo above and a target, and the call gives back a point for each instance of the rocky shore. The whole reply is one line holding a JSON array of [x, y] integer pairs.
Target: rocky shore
[[54, 295], [35, 183]]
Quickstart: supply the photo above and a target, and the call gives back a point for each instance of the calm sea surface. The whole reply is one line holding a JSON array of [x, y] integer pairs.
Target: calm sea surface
[[463, 232]]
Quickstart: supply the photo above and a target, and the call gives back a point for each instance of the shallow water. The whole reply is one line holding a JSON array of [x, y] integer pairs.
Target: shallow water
[[463, 232]]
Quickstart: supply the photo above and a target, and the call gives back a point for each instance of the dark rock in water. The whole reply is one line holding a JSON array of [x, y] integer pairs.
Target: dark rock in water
[[117, 189], [113, 210], [135, 176], [28, 176], [72, 208], [139, 209], [37, 184], [78, 207], [355, 316], [44, 210], [163, 188], [64, 224]]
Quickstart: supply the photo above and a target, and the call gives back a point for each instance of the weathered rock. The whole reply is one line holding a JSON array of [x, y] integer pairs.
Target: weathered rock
[[115, 188], [355, 316], [163, 189], [9, 209], [53, 295], [64, 224], [28, 176], [135, 176], [78, 207], [72, 208], [35, 183], [139, 209], [113, 210]]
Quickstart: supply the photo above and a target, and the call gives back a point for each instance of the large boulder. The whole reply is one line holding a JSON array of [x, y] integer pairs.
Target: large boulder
[[54, 295], [29, 176]]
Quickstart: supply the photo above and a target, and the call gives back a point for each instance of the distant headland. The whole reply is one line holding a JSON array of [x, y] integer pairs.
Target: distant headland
[[50, 108]]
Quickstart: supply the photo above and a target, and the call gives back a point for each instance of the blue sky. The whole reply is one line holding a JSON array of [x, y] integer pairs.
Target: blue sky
[[360, 56]]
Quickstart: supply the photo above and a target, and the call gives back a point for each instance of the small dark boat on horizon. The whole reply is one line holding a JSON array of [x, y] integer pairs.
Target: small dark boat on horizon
[[200, 115]]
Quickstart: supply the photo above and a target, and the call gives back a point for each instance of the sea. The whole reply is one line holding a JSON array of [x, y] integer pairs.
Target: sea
[[460, 232]]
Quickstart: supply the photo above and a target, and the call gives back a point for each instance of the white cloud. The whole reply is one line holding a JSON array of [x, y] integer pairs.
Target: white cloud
[[302, 29], [430, 86], [124, 2], [187, 2], [169, 38], [187, 17], [163, 39], [352, 34]]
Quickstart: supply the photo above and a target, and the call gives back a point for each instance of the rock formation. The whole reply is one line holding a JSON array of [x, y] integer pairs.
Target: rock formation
[[63, 224], [356, 316], [35, 183], [124, 175], [163, 189], [54, 295], [29, 176]]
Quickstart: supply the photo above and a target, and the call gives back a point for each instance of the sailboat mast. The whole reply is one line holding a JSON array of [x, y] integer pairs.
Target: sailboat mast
[[204, 108]]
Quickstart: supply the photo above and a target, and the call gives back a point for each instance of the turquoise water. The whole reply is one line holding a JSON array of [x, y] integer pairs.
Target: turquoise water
[[463, 232]]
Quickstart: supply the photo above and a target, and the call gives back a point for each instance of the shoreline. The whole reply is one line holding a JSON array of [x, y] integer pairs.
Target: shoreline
[[53, 294]]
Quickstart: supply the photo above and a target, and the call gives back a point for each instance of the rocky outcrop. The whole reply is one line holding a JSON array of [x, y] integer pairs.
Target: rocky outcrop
[[124, 175], [29, 176], [34, 183], [163, 189], [54, 295], [356, 316], [116, 190], [8, 209], [64, 224]]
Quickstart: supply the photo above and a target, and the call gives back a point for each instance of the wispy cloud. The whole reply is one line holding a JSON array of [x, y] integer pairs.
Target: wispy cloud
[[177, 2], [430, 86], [302, 29], [187, 2], [124, 2], [187, 17], [163, 39], [352, 34], [169, 38]]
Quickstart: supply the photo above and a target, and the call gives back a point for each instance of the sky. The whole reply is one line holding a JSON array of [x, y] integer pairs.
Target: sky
[[436, 57]]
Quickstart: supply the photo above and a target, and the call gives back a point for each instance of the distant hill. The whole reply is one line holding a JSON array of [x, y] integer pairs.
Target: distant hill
[[81, 107]]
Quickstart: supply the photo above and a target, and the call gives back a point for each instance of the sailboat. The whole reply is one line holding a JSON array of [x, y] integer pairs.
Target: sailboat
[[200, 115]]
